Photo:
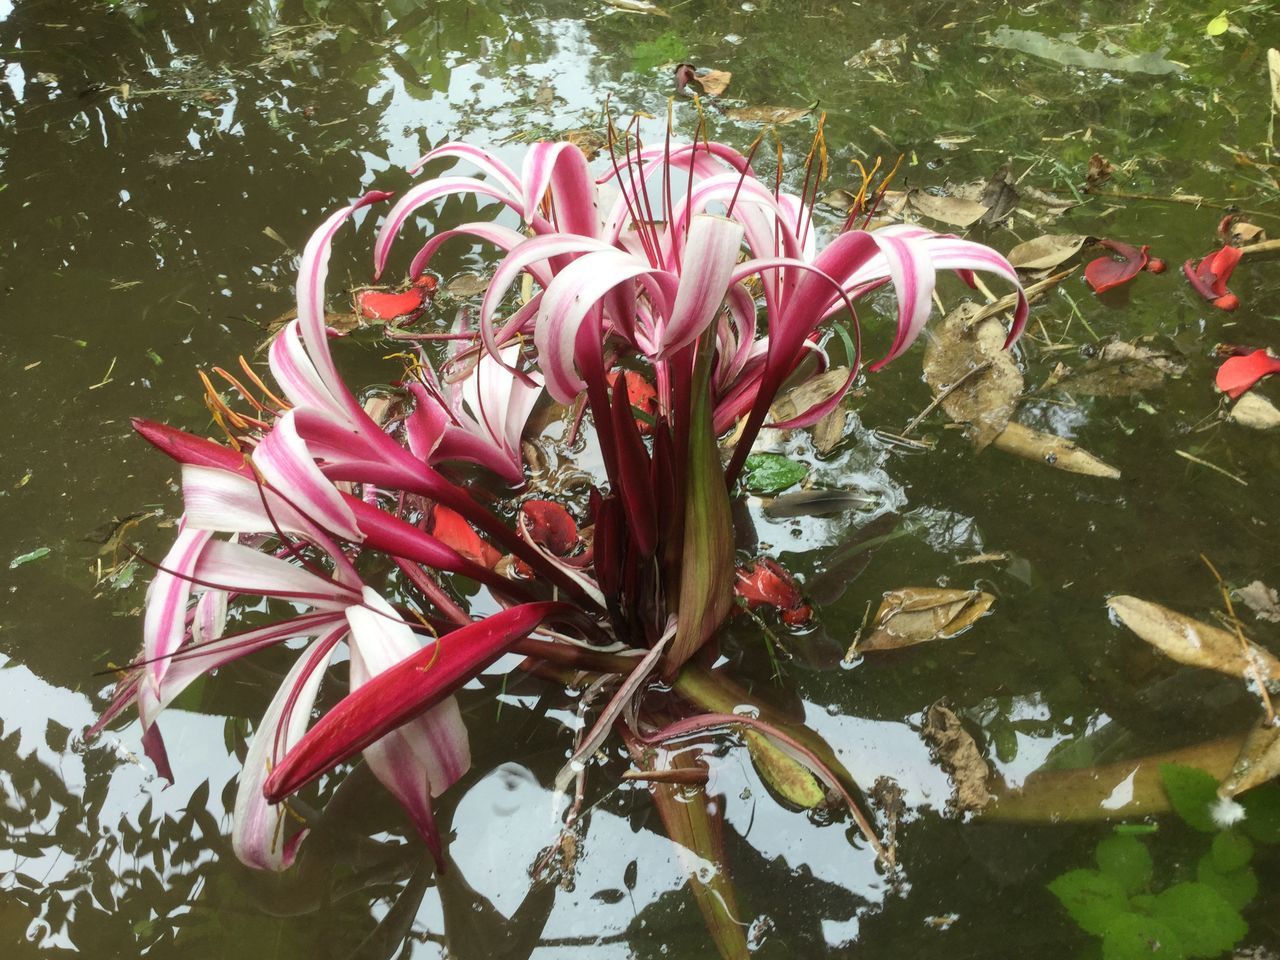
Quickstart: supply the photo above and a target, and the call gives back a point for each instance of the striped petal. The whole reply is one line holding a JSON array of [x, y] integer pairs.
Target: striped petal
[[287, 465], [258, 828], [710, 254]]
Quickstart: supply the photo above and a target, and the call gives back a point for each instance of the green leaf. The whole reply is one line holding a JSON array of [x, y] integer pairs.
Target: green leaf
[[772, 472], [1192, 793], [1230, 851], [649, 54], [1217, 26], [706, 563], [1093, 899], [1127, 861], [1131, 936], [1238, 887], [1262, 813], [1204, 921], [39, 553]]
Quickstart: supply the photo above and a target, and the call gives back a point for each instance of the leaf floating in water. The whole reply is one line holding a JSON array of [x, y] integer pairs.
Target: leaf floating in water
[[466, 285], [1262, 600], [949, 210], [636, 6], [1217, 26], [1049, 251], [984, 400], [764, 114], [1054, 450], [816, 503], [1068, 54], [1194, 643], [1120, 369], [1259, 760], [39, 553], [772, 472], [711, 82], [961, 757], [913, 615]]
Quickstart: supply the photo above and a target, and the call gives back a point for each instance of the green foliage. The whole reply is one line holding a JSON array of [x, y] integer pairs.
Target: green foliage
[[1205, 924], [772, 472], [1193, 918], [649, 54], [1125, 860], [1262, 813], [1192, 793]]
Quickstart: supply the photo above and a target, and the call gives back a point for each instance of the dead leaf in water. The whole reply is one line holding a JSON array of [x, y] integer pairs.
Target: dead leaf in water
[[1048, 251], [959, 754], [999, 196], [1057, 452], [589, 141], [816, 503], [985, 400], [1098, 172], [1255, 412], [1192, 642], [765, 114], [913, 615], [1120, 369], [636, 6], [466, 285], [949, 210], [829, 431], [808, 395], [1262, 600], [1258, 762]]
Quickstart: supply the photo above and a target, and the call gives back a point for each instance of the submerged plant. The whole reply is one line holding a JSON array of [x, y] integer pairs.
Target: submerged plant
[[670, 299]]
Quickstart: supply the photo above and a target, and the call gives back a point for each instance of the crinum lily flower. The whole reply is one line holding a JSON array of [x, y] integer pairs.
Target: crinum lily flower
[[695, 281]]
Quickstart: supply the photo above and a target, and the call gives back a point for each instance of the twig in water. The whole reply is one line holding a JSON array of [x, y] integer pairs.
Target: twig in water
[[1212, 466], [1244, 644], [915, 421]]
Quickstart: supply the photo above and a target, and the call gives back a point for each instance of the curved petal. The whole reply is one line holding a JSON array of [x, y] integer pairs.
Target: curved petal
[[164, 625], [230, 566], [709, 257], [561, 168], [257, 831], [420, 196], [287, 465]]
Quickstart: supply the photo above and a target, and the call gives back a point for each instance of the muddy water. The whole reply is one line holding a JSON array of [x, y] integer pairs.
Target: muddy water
[[159, 166]]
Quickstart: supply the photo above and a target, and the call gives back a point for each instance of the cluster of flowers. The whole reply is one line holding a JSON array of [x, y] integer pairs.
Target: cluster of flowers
[[677, 267]]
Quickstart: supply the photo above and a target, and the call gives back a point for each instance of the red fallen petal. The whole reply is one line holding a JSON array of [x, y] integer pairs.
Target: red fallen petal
[[1223, 265], [448, 527], [1156, 265], [1228, 302], [550, 525], [1106, 273], [376, 305], [797, 616], [1237, 375], [428, 282], [641, 395], [767, 583], [1224, 226]]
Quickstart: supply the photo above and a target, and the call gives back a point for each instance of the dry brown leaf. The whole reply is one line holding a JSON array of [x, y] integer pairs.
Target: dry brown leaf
[[1242, 234], [829, 431], [1256, 412], [959, 754], [636, 6], [1120, 369], [765, 114], [808, 395], [985, 400], [1048, 251], [1098, 172], [714, 82], [950, 210], [466, 285], [1192, 642], [1056, 451], [1259, 760], [1262, 600], [589, 141], [914, 615]]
